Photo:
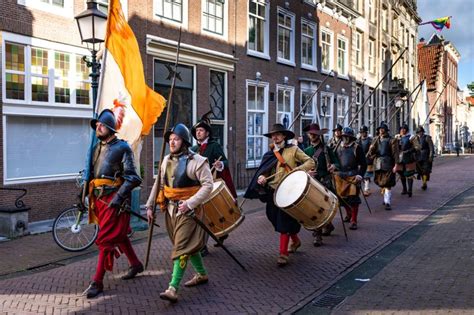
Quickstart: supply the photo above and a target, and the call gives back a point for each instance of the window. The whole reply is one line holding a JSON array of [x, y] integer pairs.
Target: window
[[401, 33], [258, 37], [326, 50], [372, 11], [213, 16], [47, 76], [341, 109], [308, 114], [285, 105], [359, 6], [308, 45], [358, 103], [383, 107], [325, 111], [60, 7], [370, 109], [342, 56], [104, 6], [257, 120], [43, 136], [384, 19], [174, 11], [358, 48], [394, 25], [383, 58], [217, 103], [286, 37], [371, 55]]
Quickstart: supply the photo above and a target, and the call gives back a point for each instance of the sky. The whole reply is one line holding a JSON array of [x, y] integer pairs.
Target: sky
[[461, 33]]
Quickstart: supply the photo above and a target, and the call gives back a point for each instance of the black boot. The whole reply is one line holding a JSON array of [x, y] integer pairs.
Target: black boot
[[93, 290], [410, 187], [204, 251], [132, 272], [403, 180], [318, 239]]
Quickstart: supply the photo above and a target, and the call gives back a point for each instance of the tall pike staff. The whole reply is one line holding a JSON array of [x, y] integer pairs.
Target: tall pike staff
[[437, 99], [418, 87], [380, 82], [163, 147]]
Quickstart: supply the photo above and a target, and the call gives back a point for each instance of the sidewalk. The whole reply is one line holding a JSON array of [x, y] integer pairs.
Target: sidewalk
[[264, 289], [433, 276]]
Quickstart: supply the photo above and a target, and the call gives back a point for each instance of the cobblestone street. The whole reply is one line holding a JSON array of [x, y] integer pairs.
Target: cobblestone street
[[264, 288]]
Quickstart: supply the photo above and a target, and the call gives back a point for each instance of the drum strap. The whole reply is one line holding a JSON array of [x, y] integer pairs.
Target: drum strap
[[317, 153], [282, 161]]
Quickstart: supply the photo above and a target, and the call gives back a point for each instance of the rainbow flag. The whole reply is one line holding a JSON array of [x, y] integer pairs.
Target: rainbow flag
[[439, 23]]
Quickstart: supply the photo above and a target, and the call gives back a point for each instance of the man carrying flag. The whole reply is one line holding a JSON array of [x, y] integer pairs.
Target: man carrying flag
[[112, 163]]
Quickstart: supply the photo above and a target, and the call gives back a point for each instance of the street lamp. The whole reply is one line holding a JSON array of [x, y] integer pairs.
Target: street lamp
[[92, 25]]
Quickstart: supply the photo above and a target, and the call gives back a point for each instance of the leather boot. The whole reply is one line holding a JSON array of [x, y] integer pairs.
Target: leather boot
[[424, 178], [403, 180], [132, 272], [410, 187], [327, 229], [94, 289], [318, 239]]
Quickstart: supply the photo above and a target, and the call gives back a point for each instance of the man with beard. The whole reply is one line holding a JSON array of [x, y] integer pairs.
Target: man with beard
[[384, 152], [406, 166], [350, 172], [186, 183], [114, 177], [318, 152], [364, 141], [212, 150], [276, 163], [424, 163]]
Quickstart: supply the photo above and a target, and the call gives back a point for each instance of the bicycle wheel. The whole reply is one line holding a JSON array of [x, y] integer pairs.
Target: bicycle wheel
[[71, 236]]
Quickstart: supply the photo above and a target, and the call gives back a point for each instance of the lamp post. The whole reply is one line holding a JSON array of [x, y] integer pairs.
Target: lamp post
[[92, 24]]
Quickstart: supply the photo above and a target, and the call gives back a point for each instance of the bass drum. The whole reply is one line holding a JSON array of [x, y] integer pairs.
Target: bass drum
[[306, 200], [221, 213]]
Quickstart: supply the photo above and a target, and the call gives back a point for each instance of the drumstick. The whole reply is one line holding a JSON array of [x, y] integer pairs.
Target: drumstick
[[242, 203], [267, 178], [213, 166]]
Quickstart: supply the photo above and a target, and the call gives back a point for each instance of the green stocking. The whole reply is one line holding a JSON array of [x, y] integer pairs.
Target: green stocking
[[196, 261], [179, 266]]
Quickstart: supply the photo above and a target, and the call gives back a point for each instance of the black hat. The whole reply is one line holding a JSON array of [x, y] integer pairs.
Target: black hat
[[338, 127], [404, 126], [107, 118], [383, 125], [280, 128], [348, 132], [364, 129], [180, 130], [420, 129], [204, 122], [315, 129]]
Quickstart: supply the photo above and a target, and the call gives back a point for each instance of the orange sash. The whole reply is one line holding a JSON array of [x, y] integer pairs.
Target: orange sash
[[92, 198], [175, 194], [282, 161]]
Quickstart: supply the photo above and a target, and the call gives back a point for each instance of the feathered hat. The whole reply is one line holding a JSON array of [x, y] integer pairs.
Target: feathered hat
[[204, 122]]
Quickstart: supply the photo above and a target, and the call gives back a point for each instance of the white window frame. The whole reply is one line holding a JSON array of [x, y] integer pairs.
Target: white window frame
[[52, 48], [344, 74], [225, 20], [124, 4], [266, 41], [384, 18], [383, 52], [331, 50], [309, 88], [291, 61], [291, 90], [372, 11], [265, 85], [314, 66], [371, 110], [329, 112], [359, 56], [383, 106], [371, 55], [66, 11], [342, 118], [157, 4], [226, 109]]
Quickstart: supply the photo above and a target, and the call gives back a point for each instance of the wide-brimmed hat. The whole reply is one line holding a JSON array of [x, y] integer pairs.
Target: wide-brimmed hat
[[420, 129], [404, 126], [315, 129], [204, 122], [280, 128], [348, 132], [383, 125], [338, 127]]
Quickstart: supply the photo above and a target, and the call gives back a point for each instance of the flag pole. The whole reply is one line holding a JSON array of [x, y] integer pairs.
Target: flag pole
[[163, 147]]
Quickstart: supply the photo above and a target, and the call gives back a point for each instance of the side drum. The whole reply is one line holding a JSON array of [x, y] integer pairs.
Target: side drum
[[306, 200], [221, 213]]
